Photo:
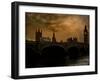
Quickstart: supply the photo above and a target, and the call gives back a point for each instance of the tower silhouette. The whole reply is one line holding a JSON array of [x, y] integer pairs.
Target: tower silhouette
[[38, 35], [86, 37], [53, 38]]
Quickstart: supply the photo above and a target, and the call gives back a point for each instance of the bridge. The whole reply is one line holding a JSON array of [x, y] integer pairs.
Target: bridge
[[65, 45]]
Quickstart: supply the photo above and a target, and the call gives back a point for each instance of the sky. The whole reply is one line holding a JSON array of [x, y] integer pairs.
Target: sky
[[64, 25]]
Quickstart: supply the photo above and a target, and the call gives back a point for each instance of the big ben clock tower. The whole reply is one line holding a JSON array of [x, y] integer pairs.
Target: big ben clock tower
[[86, 37]]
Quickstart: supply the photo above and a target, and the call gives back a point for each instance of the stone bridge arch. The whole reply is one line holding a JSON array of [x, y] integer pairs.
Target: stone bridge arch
[[73, 52], [57, 45], [53, 55]]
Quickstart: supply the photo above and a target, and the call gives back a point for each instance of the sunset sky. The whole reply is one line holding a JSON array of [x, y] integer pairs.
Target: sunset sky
[[64, 25]]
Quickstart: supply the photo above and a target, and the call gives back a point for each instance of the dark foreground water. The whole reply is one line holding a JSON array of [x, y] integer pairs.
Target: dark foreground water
[[81, 61]]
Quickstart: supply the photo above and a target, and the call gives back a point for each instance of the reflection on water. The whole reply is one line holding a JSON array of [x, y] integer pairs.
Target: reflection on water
[[81, 61]]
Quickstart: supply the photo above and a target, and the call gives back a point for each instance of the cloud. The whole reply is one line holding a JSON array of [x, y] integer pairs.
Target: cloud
[[64, 25]]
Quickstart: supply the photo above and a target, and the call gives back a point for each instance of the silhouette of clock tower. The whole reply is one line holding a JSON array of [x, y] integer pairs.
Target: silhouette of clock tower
[[86, 35]]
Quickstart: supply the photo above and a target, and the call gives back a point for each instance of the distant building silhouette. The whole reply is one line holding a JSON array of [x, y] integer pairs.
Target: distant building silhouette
[[45, 39], [72, 39], [75, 39], [40, 38], [86, 36], [61, 41], [38, 35], [69, 39], [53, 38]]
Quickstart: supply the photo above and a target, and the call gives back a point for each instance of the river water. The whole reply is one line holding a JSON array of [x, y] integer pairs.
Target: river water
[[82, 61]]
